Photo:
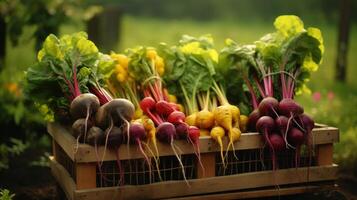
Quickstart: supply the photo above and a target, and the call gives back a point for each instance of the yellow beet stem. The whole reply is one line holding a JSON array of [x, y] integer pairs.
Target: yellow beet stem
[[227, 116], [219, 140], [151, 135], [234, 136], [151, 132], [220, 94], [223, 116], [205, 118], [189, 106], [217, 133]]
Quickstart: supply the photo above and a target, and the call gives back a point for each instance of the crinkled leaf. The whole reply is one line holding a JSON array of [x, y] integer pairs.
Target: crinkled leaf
[[51, 47], [193, 59], [300, 46], [204, 42], [316, 33], [139, 67], [50, 80], [86, 47], [288, 25]]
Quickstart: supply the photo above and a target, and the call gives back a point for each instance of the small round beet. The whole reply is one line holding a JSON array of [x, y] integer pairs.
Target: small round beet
[[166, 132], [296, 136], [288, 107], [268, 106], [252, 120], [265, 124], [277, 142]]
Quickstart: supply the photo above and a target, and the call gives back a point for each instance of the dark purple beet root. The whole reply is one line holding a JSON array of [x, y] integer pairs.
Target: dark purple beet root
[[137, 132], [277, 142], [252, 120], [296, 137], [265, 124], [282, 123], [116, 137], [84, 104], [166, 132], [268, 107], [288, 107], [307, 121], [95, 135], [181, 130], [78, 127]]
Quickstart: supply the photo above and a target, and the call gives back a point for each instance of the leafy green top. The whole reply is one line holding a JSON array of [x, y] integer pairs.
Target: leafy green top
[[66, 67], [191, 63], [291, 49]]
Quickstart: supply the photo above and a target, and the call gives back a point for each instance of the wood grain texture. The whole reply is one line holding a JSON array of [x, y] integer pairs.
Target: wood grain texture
[[86, 176], [174, 189], [63, 137], [324, 154], [86, 153], [209, 162], [63, 178], [170, 189], [253, 194]]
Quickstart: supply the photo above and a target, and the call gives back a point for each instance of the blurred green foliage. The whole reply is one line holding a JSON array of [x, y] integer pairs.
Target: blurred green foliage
[[44, 16], [7, 152], [242, 10], [28, 22], [5, 194]]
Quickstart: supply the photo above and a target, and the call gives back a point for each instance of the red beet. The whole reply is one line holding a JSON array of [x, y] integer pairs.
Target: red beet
[[268, 106]]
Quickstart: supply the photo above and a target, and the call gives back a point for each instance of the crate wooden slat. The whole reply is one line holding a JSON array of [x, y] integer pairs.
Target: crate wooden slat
[[171, 189], [63, 178], [80, 182], [86, 153], [258, 193]]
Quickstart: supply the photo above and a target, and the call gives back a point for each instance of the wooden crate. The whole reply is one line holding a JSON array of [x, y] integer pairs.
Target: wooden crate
[[250, 176]]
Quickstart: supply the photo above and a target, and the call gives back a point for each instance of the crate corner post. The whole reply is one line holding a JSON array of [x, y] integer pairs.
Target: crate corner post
[[86, 175], [324, 154], [209, 161]]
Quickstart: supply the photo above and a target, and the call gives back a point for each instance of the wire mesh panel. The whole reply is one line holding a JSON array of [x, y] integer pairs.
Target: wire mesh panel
[[253, 160], [63, 159], [136, 171]]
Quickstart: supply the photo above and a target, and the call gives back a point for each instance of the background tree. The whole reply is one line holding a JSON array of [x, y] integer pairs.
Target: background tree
[[343, 37], [43, 16]]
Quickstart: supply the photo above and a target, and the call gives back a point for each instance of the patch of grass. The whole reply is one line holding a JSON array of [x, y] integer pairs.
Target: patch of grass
[[142, 31]]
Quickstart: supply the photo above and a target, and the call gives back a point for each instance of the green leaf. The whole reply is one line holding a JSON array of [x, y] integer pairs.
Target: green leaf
[[51, 47], [316, 33], [288, 25], [193, 58], [86, 47], [51, 79]]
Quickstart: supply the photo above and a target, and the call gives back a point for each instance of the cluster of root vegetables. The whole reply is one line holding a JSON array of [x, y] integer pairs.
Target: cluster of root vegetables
[[112, 124], [129, 103]]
